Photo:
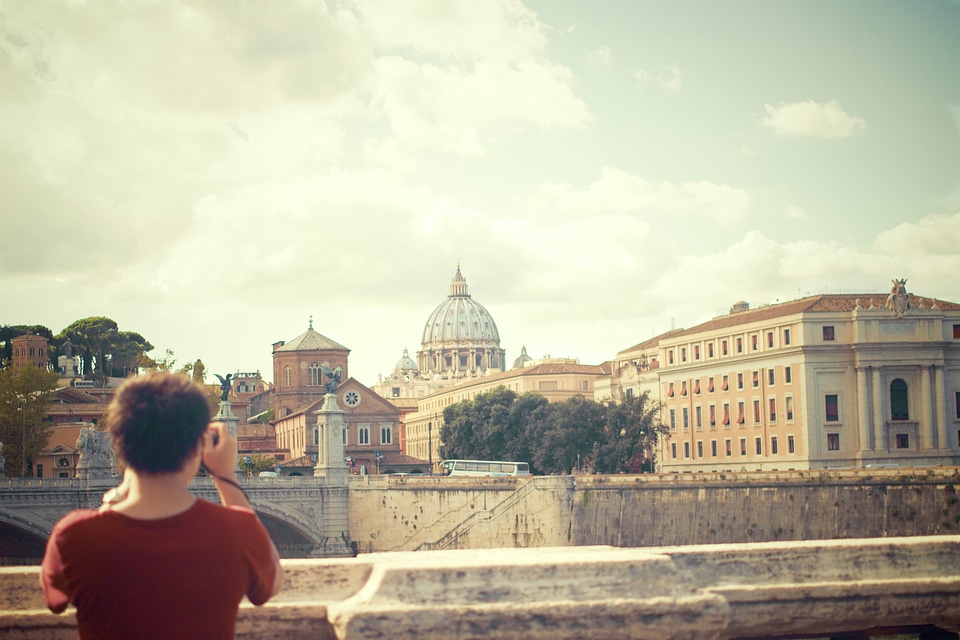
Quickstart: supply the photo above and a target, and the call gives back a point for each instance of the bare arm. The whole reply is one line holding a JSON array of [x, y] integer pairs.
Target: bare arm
[[219, 459]]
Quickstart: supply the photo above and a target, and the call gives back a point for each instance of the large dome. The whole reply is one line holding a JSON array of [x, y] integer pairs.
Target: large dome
[[460, 318], [460, 334]]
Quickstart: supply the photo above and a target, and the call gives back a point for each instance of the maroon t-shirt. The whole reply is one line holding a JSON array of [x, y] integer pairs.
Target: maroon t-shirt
[[179, 577]]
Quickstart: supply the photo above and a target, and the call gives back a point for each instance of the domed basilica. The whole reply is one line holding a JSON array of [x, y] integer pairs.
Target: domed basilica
[[460, 340]]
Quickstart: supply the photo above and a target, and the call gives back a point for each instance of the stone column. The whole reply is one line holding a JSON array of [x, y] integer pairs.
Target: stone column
[[225, 415], [863, 409], [330, 465], [879, 442], [926, 410], [941, 405]]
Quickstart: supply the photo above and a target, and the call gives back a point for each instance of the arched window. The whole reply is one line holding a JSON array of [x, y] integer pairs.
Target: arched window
[[899, 407], [313, 375], [287, 376]]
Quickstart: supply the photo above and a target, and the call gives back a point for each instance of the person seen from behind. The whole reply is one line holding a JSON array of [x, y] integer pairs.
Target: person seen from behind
[[155, 561]]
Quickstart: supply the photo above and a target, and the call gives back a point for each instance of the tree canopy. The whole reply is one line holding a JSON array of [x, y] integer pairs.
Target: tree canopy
[[104, 350], [25, 395], [553, 437]]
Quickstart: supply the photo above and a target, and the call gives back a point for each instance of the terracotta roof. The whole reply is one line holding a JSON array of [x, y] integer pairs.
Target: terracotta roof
[[824, 303], [652, 342], [401, 458], [302, 461], [255, 430], [310, 340]]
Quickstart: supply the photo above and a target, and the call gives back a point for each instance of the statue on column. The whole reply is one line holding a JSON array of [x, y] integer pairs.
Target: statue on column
[[97, 459], [333, 378], [224, 386]]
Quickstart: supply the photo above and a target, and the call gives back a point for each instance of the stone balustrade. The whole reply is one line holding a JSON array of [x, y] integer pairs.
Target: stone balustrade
[[772, 590]]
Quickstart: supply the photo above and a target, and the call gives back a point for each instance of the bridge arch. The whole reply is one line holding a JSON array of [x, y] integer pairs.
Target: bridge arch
[[292, 539], [21, 542]]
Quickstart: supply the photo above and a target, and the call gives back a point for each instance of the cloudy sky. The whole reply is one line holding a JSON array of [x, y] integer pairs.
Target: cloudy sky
[[212, 174]]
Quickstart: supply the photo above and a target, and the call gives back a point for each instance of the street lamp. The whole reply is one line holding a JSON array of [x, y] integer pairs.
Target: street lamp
[[23, 444]]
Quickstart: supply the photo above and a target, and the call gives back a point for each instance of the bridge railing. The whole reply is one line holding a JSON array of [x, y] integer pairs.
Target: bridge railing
[[854, 588]]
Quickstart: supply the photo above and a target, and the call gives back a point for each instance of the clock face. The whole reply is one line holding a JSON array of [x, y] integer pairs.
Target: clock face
[[351, 398]]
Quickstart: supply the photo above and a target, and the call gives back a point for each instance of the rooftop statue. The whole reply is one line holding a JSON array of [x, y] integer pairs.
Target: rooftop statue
[[899, 300]]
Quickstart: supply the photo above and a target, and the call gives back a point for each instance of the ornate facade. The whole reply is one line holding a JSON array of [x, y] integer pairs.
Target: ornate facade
[[826, 381]]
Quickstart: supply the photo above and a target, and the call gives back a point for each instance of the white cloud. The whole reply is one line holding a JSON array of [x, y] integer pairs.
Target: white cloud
[[641, 77], [601, 56], [810, 118], [670, 79], [619, 192], [793, 212]]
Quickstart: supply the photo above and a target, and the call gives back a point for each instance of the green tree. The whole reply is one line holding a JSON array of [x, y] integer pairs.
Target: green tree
[[258, 463], [476, 428], [25, 395], [632, 432], [94, 337], [8, 332], [567, 434], [125, 353]]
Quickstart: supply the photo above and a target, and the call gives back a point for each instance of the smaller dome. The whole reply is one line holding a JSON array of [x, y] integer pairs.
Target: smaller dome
[[406, 364], [522, 359]]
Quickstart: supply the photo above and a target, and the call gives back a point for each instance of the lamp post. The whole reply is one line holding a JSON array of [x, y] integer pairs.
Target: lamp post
[[23, 444], [430, 443]]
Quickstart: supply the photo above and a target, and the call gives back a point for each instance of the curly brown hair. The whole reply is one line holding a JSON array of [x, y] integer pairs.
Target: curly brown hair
[[155, 421]]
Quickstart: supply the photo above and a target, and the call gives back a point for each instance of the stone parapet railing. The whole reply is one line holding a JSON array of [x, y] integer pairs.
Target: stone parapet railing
[[767, 590]]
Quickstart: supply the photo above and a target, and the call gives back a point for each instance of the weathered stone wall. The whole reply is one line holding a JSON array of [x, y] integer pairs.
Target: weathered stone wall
[[416, 514], [408, 514], [641, 511]]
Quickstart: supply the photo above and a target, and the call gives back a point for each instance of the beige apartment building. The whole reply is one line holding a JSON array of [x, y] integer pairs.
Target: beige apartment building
[[827, 381]]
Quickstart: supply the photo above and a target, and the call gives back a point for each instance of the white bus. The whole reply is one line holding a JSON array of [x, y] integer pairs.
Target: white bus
[[484, 468]]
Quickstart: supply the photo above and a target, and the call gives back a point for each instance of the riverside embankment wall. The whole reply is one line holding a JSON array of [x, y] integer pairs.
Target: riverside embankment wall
[[407, 513]]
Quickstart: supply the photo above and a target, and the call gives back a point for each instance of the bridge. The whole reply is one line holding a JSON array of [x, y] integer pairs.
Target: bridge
[[305, 517]]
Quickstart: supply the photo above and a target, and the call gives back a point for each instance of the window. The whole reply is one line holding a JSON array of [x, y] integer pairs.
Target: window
[[698, 412], [699, 448], [696, 387], [287, 377], [686, 418], [740, 413], [723, 347], [899, 409], [786, 336], [771, 377], [833, 442], [673, 419], [903, 441], [629, 394], [710, 390], [395, 392], [787, 375], [789, 406], [313, 375], [729, 447], [316, 436], [363, 435], [673, 449], [756, 412], [956, 332], [696, 352], [709, 349], [713, 415], [670, 390], [683, 354], [958, 404], [828, 333], [726, 383], [670, 359], [832, 407], [773, 409], [386, 434], [726, 414], [39, 470], [683, 388], [743, 446], [758, 442], [713, 448], [739, 345], [686, 449], [739, 381], [791, 446], [769, 339], [774, 450], [756, 379]]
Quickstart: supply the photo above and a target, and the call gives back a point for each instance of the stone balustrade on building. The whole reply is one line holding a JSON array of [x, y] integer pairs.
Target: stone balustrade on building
[[843, 588]]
